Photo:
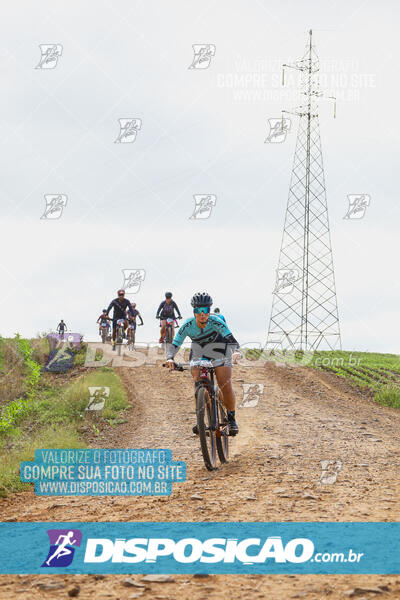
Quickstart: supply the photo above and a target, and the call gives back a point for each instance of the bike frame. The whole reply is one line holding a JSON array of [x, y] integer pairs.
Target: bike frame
[[206, 379], [120, 328]]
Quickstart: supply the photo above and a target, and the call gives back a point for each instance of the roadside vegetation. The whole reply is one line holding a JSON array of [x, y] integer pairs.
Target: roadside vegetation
[[46, 410], [377, 372]]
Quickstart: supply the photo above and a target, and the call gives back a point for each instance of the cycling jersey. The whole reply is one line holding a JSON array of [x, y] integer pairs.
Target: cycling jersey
[[215, 337], [103, 321], [166, 310], [136, 313], [219, 316], [119, 307]]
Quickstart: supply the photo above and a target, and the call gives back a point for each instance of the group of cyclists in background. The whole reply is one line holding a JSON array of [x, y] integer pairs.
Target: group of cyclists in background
[[126, 311], [211, 338]]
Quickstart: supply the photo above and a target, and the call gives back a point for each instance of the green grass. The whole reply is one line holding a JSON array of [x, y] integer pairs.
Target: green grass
[[75, 399], [371, 370], [21, 446], [55, 419], [389, 396], [80, 356], [378, 372]]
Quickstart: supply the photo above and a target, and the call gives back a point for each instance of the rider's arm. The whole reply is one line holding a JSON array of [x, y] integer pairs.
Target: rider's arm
[[177, 309], [225, 332], [178, 340], [110, 306], [233, 342], [140, 317], [130, 309], [159, 309]]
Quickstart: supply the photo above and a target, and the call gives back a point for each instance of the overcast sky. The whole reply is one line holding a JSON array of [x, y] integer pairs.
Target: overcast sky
[[202, 132]]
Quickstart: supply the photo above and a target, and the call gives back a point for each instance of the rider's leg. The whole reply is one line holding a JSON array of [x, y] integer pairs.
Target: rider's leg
[[163, 324], [224, 379], [114, 331], [195, 373]]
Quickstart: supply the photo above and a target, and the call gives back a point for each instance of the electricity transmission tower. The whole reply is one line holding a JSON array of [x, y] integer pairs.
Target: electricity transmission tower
[[304, 311]]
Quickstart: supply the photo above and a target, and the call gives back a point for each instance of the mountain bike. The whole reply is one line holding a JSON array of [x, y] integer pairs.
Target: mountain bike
[[212, 418], [131, 333], [169, 329], [104, 331], [119, 336]]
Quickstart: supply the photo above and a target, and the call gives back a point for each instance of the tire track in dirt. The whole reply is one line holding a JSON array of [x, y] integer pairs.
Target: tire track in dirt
[[304, 417]]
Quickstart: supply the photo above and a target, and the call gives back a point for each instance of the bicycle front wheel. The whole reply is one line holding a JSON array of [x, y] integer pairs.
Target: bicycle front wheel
[[168, 335], [223, 430], [205, 425]]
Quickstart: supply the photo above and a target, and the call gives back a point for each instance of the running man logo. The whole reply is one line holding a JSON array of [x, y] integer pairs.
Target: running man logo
[[285, 280], [50, 53], [330, 471], [97, 398], [357, 206], [203, 205], [278, 130], [203, 54], [55, 204], [251, 394], [61, 355], [128, 129], [62, 542], [132, 280]]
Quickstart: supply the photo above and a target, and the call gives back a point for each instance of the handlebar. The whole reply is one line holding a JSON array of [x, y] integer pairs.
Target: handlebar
[[193, 363], [178, 366]]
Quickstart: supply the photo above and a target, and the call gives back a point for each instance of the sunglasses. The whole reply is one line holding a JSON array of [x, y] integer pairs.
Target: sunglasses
[[121, 294], [202, 309]]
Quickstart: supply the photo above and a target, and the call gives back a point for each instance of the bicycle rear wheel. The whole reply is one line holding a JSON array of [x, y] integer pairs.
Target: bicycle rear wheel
[[204, 424], [168, 335], [119, 338], [222, 436]]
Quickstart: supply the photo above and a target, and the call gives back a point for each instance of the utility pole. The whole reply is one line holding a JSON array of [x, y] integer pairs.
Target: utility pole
[[304, 313]]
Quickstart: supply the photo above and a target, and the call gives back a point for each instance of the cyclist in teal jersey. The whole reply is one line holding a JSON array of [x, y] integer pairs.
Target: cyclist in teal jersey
[[217, 313], [211, 340]]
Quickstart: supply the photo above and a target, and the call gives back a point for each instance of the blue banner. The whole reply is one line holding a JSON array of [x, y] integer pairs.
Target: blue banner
[[237, 548], [103, 472]]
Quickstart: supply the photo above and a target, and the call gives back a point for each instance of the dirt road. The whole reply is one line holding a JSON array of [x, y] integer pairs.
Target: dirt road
[[303, 417]]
